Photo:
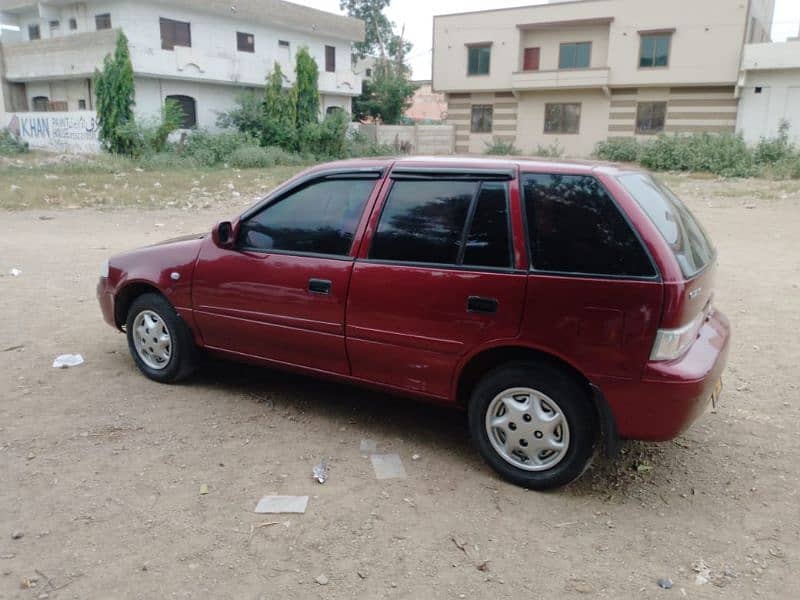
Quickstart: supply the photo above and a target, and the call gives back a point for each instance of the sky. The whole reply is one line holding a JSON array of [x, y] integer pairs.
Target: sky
[[417, 16]]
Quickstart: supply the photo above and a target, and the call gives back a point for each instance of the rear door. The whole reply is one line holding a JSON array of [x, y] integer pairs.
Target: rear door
[[435, 278], [280, 293]]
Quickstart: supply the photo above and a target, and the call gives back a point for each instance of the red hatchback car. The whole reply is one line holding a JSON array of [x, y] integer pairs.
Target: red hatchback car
[[560, 303]]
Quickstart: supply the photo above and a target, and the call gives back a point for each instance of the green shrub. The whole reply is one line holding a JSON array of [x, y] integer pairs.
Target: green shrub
[[167, 161], [722, 154], [210, 149], [327, 140], [498, 148], [618, 150], [554, 150], [284, 158], [787, 168], [251, 157], [359, 145], [9, 145], [777, 149]]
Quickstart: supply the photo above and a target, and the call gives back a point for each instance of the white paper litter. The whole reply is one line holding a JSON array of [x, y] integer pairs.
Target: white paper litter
[[320, 472], [15, 272], [368, 446], [282, 504], [67, 360], [388, 466]]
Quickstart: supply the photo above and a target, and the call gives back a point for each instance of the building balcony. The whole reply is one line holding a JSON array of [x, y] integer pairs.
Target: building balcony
[[67, 57], [341, 82], [560, 79]]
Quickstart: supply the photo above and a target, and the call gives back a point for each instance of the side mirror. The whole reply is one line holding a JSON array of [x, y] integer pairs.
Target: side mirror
[[222, 234]]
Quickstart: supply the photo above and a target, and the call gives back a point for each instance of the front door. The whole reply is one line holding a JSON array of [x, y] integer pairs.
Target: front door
[[436, 281], [280, 293]]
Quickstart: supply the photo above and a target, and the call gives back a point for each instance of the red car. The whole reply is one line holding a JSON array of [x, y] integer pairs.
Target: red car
[[562, 304]]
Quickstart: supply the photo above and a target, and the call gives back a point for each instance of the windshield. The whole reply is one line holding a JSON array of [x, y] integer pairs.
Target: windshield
[[678, 227]]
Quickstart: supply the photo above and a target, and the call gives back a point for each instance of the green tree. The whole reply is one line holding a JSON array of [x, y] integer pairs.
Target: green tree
[[280, 112], [115, 99], [378, 29], [386, 97], [306, 88]]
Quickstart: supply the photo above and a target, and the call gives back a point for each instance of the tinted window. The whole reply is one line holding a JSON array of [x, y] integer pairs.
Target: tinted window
[[650, 117], [478, 59], [677, 225], [423, 221], [575, 227], [175, 33], [102, 21], [320, 218], [488, 243], [575, 56], [481, 120], [654, 51], [330, 59], [245, 42]]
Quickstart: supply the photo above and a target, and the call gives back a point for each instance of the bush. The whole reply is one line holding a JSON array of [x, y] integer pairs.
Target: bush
[[167, 161], [359, 145], [777, 149], [210, 149], [327, 140], [9, 145], [618, 150], [284, 158], [498, 148], [787, 168], [722, 154], [554, 150], [251, 157]]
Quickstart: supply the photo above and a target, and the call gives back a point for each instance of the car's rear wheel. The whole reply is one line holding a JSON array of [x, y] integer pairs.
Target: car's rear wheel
[[159, 341], [534, 424]]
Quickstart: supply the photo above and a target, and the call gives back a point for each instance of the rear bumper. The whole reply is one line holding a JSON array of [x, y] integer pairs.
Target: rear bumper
[[671, 395], [106, 300]]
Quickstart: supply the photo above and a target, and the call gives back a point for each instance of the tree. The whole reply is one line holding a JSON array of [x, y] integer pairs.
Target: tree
[[378, 29], [386, 97], [280, 112], [307, 88], [115, 93]]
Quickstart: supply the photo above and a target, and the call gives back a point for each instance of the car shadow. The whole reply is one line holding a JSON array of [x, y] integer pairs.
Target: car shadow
[[430, 428]]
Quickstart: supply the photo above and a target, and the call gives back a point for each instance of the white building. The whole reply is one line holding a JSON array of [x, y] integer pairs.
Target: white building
[[200, 53], [769, 90]]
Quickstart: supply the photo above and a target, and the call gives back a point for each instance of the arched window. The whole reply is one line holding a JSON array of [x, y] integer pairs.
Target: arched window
[[189, 107], [40, 103]]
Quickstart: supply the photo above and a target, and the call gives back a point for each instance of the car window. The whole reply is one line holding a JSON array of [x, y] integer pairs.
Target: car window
[[682, 232], [320, 218], [489, 243], [574, 226], [423, 221]]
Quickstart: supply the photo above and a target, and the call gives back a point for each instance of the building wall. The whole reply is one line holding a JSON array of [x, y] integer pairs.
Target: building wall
[[504, 120], [550, 40]]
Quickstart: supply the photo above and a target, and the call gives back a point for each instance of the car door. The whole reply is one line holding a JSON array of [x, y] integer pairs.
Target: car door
[[279, 294], [436, 279]]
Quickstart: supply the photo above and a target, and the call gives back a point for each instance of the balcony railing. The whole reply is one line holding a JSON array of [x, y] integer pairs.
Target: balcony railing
[[560, 79], [69, 56]]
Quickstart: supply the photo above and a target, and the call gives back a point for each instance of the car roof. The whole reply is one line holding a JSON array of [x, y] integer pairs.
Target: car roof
[[524, 164]]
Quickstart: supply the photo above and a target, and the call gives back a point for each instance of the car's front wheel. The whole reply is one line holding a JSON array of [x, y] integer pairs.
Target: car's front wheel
[[159, 341], [534, 424]]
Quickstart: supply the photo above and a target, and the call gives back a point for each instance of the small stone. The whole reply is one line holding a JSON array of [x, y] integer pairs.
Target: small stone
[[700, 580], [415, 457], [665, 583], [43, 596], [17, 535], [322, 580]]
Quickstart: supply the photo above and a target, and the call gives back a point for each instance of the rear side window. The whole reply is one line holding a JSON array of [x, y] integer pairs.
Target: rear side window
[[575, 227], [446, 223], [684, 234], [320, 218]]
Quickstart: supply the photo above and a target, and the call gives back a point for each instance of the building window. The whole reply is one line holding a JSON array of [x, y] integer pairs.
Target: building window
[[40, 103], [245, 42], [531, 58], [478, 59], [81, 104], [562, 118], [283, 43], [189, 108], [102, 21], [650, 117], [368, 73], [481, 121], [330, 59], [654, 50], [54, 25], [34, 33], [575, 55], [73, 24], [175, 33]]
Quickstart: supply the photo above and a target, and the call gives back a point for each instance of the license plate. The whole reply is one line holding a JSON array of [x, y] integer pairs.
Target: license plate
[[715, 395]]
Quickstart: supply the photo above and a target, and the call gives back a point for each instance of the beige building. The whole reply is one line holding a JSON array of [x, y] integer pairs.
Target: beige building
[[575, 73]]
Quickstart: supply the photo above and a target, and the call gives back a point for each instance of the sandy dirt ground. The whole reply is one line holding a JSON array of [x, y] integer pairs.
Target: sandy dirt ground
[[101, 470]]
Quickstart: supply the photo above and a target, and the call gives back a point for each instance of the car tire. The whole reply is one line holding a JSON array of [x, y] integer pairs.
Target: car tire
[[543, 407], [159, 341]]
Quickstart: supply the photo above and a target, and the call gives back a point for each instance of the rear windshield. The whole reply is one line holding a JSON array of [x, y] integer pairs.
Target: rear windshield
[[686, 237]]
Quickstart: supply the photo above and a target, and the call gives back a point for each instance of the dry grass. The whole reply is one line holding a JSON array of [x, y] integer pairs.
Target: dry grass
[[37, 181]]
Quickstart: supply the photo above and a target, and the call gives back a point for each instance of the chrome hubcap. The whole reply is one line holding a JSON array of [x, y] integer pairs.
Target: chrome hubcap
[[152, 340], [528, 429]]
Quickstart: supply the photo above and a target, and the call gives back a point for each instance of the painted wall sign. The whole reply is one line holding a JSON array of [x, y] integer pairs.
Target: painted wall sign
[[70, 132]]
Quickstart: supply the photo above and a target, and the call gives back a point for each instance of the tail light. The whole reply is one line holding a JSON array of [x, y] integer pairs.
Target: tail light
[[673, 343]]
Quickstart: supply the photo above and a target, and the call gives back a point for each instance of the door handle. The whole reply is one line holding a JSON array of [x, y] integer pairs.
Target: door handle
[[319, 286], [477, 304]]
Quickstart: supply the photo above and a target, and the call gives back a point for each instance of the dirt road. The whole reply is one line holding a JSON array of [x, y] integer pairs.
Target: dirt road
[[101, 470]]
